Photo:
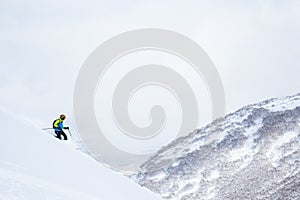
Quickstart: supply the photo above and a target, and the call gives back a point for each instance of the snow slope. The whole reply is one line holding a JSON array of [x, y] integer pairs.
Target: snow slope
[[253, 153], [36, 166]]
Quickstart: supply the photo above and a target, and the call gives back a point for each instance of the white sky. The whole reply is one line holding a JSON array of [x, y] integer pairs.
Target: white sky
[[255, 45]]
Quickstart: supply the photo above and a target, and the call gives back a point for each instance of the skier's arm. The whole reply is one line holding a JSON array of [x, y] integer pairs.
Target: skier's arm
[[61, 126]]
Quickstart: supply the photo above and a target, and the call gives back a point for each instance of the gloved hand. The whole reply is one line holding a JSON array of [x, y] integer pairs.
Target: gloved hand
[[66, 128]]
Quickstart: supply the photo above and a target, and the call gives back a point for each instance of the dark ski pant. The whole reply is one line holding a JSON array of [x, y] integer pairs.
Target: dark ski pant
[[61, 133]]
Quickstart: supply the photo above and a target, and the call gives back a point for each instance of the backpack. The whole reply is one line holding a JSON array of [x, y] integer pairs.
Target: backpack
[[54, 123]]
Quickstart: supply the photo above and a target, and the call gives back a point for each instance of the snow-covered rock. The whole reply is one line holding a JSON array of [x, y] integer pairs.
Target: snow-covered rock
[[253, 153]]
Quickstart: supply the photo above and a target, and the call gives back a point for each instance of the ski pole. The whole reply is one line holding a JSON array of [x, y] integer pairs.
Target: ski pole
[[70, 132], [47, 128]]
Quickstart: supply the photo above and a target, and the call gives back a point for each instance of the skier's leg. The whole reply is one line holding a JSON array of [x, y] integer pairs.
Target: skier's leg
[[65, 136], [58, 134]]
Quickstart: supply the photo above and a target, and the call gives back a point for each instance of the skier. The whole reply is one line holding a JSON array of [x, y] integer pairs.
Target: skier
[[58, 127]]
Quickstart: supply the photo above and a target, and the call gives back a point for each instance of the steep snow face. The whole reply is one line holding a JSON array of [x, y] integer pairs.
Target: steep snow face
[[253, 153], [35, 166]]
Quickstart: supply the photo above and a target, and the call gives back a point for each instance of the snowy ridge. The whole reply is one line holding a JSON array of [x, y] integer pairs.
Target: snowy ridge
[[36, 166], [253, 153]]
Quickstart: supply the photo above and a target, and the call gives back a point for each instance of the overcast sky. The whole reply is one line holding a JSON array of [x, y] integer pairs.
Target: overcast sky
[[255, 46]]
